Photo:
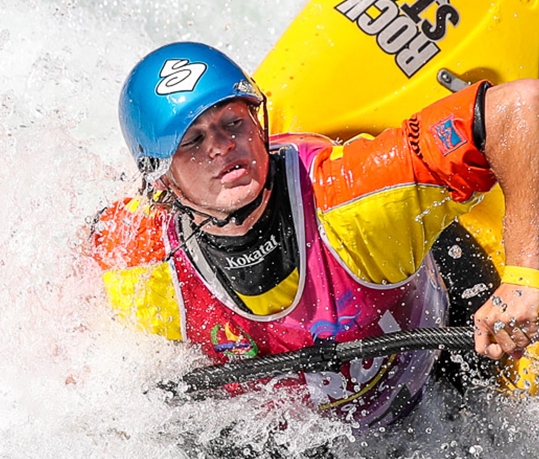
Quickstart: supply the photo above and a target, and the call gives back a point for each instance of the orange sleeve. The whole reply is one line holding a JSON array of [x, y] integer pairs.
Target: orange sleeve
[[434, 147], [128, 234], [442, 137]]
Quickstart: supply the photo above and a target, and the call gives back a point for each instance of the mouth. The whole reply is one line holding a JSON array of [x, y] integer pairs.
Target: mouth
[[232, 172]]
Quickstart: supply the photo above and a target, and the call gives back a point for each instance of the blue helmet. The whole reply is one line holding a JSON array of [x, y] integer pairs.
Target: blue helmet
[[167, 90]]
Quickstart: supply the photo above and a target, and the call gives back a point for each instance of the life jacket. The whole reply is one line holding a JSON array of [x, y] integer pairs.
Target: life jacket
[[330, 305]]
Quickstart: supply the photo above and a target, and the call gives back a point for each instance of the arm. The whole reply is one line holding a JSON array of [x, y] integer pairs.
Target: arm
[[507, 322], [383, 202], [126, 241]]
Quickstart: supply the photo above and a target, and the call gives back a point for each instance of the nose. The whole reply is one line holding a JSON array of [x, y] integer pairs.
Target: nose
[[221, 142]]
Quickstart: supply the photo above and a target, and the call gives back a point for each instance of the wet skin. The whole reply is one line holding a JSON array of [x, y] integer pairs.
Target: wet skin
[[222, 162]]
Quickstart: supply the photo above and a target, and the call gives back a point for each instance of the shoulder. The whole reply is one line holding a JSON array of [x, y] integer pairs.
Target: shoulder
[[308, 145], [301, 138], [128, 233]]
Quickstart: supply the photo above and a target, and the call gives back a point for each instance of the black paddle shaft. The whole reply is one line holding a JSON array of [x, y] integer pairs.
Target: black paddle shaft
[[328, 356]]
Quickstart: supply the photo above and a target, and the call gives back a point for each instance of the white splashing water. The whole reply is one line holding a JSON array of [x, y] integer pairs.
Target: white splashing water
[[73, 383]]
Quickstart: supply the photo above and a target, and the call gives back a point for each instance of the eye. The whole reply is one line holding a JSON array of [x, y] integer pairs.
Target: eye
[[235, 124], [192, 141]]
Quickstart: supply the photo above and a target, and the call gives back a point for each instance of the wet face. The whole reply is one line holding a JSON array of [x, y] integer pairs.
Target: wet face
[[221, 163]]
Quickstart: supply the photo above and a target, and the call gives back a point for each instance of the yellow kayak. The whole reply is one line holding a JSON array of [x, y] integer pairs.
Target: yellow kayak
[[345, 67]]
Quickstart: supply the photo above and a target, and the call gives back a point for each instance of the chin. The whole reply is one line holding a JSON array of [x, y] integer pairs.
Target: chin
[[236, 199]]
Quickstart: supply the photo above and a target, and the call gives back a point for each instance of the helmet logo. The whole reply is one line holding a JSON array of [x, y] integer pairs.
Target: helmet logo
[[179, 75]]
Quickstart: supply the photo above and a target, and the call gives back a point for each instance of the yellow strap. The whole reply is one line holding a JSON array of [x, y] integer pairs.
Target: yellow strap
[[528, 277]]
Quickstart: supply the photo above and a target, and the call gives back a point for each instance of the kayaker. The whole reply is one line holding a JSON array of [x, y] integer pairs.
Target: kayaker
[[248, 244]]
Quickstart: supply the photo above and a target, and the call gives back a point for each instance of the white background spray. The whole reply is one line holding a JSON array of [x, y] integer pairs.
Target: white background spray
[[75, 384]]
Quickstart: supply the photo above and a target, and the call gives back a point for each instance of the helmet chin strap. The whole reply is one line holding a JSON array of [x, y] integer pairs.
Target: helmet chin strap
[[237, 217]]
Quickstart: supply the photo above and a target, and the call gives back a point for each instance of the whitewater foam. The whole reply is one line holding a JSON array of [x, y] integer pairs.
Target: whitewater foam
[[74, 382]]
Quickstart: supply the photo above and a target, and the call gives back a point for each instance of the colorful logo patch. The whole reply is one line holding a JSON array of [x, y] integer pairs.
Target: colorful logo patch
[[347, 312], [447, 136], [232, 341]]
